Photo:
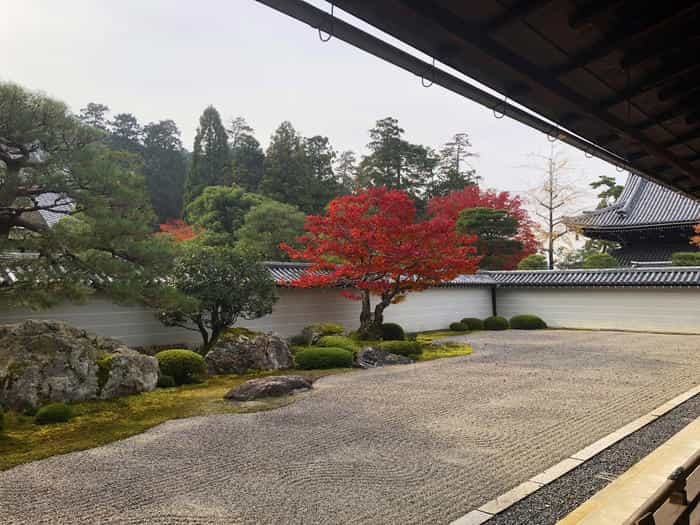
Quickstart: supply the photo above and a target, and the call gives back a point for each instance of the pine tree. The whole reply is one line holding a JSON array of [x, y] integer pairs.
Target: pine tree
[[211, 156], [247, 156]]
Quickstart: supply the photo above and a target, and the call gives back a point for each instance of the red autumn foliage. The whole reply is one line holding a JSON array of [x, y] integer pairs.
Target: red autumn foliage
[[449, 207], [372, 242], [179, 230], [695, 239]]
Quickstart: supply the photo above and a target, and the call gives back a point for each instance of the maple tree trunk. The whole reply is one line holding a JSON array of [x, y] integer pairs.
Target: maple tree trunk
[[365, 315]]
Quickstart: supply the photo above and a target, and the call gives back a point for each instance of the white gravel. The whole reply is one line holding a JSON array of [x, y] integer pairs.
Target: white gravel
[[415, 444]]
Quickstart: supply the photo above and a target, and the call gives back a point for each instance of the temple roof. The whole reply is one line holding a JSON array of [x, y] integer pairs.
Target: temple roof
[[643, 204]]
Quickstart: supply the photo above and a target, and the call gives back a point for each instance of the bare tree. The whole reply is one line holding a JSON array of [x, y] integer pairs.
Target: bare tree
[[553, 199]]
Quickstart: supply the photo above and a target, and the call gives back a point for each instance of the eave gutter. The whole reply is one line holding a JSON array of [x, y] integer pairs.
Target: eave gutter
[[336, 28]]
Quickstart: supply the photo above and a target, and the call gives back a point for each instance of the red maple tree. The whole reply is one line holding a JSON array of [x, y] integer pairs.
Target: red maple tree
[[450, 206], [371, 243], [695, 239], [179, 230]]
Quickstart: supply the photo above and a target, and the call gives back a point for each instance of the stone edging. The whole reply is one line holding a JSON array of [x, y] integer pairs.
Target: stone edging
[[505, 500]]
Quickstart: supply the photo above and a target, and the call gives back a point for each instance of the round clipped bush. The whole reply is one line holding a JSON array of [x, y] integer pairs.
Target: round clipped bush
[[184, 366], [323, 357], [527, 322], [496, 322], [473, 323], [297, 340], [410, 349], [337, 341], [458, 327], [392, 332], [53, 413], [166, 381]]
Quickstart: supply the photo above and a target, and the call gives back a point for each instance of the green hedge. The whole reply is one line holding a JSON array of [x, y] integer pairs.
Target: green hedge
[[393, 332], [166, 381], [527, 322], [406, 348], [473, 323], [53, 413], [496, 322], [323, 357], [184, 366], [337, 341], [686, 259], [459, 327]]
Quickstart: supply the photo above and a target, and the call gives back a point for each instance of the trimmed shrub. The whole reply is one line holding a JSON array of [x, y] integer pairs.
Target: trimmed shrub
[[323, 357], [473, 323], [166, 381], [410, 349], [686, 258], [527, 322], [337, 341], [458, 327], [393, 332], [184, 366], [496, 322], [600, 260], [53, 413], [312, 332], [533, 262]]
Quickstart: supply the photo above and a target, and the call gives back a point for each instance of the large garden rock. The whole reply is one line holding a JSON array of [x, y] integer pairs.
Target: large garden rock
[[273, 386], [371, 357], [50, 361], [235, 354]]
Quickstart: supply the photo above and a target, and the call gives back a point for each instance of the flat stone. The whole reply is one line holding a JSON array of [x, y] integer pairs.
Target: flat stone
[[556, 471], [274, 386], [609, 440], [475, 517], [371, 357], [507, 499]]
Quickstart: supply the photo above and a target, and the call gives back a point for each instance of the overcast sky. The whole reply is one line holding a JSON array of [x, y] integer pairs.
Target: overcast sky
[[164, 59]]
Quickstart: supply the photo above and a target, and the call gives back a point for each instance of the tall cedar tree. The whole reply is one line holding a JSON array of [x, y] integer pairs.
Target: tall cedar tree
[[395, 163], [286, 177], [164, 167], [211, 156], [372, 243], [453, 172], [247, 157], [125, 134], [450, 206]]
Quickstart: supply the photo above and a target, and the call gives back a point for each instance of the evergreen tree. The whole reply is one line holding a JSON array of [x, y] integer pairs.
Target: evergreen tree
[[164, 167], [346, 170], [125, 133], [395, 163], [211, 156], [454, 172], [611, 190], [286, 175], [247, 156], [266, 226], [323, 184], [94, 115]]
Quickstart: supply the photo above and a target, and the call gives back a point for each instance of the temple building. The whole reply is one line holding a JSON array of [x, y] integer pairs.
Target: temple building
[[649, 221]]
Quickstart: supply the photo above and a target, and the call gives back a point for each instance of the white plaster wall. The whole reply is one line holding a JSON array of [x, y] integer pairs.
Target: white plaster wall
[[296, 308], [649, 309]]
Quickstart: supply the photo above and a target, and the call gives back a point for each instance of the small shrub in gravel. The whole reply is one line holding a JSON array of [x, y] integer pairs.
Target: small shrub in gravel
[[527, 322], [410, 349], [184, 366], [166, 381], [338, 341], [393, 332], [496, 322], [53, 413], [473, 323], [318, 357], [458, 327]]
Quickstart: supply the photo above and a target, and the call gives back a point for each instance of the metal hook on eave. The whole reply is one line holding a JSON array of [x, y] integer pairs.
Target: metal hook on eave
[[500, 114], [329, 34], [587, 154], [553, 137], [427, 84]]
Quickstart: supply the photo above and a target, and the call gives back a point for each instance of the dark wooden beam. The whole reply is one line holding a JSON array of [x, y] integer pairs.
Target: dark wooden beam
[[693, 134], [472, 34], [693, 118], [662, 45], [593, 12], [629, 33], [516, 12], [689, 83], [670, 70], [685, 106]]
